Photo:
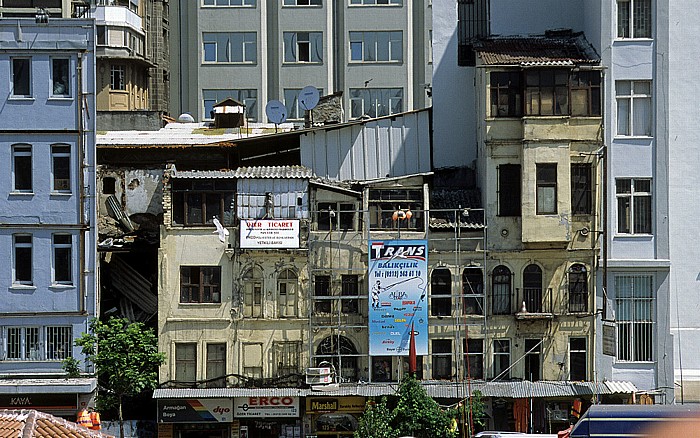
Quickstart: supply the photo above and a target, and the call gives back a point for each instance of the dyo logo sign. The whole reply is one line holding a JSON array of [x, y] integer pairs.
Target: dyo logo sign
[[221, 410]]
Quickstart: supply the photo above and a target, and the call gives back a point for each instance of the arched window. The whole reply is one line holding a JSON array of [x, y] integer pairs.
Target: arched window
[[473, 291], [501, 280], [341, 352], [441, 292], [532, 288], [287, 299], [578, 288], [253, 293]]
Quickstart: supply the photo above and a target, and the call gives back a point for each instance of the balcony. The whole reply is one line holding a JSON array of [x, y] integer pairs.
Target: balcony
[[534, 304], [117, 15]]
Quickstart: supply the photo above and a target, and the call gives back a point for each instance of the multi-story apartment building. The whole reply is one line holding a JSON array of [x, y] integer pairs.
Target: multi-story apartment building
[[632, 337], [377, 53], [47, 219]]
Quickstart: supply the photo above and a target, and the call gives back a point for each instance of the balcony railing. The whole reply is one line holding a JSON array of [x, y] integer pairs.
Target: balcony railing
[[534, 303]]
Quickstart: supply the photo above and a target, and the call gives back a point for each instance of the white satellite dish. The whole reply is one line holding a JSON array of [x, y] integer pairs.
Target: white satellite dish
[[276, 111], [308, 97]]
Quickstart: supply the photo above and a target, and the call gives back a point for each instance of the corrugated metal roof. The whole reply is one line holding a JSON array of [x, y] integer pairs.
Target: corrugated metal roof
[[618, 387], [267, 172], [540, 50]]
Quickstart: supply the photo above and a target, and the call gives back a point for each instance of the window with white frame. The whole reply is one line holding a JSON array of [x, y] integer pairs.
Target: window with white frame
[[634, 313], [295, 110], [633, 205], [473, 358], [22, 168], [60, 77], [117, 77], [253, 360], [246, 96], [302, 2], [224, 3], [376, 46], [216, 365], [501, 359], [546, 188], [229, 47], [472, 291], [22, 343], [286, 358], [375, 102], [301, 47], [577, 359], [442, 358], [59, 342], [634, 111], [62, 259], [288, 299], [253, 293], [185, 362], [60, 168], [21, 77], [376, 2], [634, 19], [22, 263]]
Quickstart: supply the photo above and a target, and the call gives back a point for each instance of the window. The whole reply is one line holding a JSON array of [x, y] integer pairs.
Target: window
[[533, 349], [585, 93], [442, 359], [532, 288], [578, 288], [216, 365], [474, 358], [473, 291], [253, 293], [382, 370], [322, 288], [117, 78], [509, 190], [62, 259], [472, 24], [23, 259], [633, 108], [60, 167], [60, 77], [506, 94], [229, 47], [22, 168], [248, 97], [546, 188], [185, 362], [229, 3], [302, 2], [109, 185], [546, 92], [349, 292], [21, 77], [101, 35], [200, 284], [253, 202], [634, 299], [375, 102], [501, 359], [335, 216], [22, 343], [501, 279], [383, 203], [342, 353], [634, 18], [199, 201], [441, 292], [376, 46], [287, 282], [253, 360], [303, 47], [376, 2], [633, 205], [581, 199], [59, 342], [577, 359], [286, 358], [295, 109]]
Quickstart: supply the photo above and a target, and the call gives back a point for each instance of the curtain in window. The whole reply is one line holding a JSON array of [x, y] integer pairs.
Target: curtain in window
[[290, 48], [316, 39], [642, 116]]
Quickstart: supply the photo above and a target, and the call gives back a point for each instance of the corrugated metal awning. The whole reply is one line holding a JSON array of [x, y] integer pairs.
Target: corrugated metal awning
[[266, 172]]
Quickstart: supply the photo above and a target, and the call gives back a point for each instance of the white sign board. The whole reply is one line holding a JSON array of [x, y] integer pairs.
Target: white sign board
[[265, 407], [269, 233]]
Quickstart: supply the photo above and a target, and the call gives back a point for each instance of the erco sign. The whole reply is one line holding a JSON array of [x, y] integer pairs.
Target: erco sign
[[265, 407]]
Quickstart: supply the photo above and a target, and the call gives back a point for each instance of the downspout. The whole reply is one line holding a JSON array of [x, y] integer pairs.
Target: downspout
[[81, 185]]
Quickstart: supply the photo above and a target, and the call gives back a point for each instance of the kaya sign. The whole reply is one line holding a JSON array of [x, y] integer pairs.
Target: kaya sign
[[269, 233]]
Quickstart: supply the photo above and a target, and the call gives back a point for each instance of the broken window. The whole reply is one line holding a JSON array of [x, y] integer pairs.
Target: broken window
[[117, 78], [200, 284], [198, 202], [506, 94], [396, 209], [286, 358], [501, 359]]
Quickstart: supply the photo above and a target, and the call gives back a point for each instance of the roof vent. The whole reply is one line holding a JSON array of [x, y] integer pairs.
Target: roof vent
[[185, 118], [561, 33]]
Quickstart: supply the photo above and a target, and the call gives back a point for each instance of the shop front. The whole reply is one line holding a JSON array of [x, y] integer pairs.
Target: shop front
[[195, 418], [268, 417], [333, 417]]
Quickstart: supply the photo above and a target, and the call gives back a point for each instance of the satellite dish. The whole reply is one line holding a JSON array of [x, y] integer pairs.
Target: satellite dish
[[308, 97], [276, 111]]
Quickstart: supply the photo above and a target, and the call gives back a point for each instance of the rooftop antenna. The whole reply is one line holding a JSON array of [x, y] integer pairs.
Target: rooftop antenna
[[308, 98], [276, 112]]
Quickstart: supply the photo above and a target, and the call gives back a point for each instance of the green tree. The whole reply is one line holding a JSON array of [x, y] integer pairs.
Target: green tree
[[375, 422], [417, 414], [126, 360]]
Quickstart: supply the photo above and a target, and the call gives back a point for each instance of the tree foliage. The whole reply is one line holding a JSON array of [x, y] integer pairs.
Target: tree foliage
[[375, 422]]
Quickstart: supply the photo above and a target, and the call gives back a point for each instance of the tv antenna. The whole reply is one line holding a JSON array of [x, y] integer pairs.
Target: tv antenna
[[276, 112]]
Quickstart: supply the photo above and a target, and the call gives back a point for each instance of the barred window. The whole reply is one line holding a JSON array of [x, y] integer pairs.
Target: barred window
[[581, 199], [59, 342], [501, 290], [578, 288], [286, 358], [22, 343], [634, 299], [634, 19]]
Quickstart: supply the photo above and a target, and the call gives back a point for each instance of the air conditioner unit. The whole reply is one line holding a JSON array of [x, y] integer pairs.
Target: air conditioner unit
[[319, 376]]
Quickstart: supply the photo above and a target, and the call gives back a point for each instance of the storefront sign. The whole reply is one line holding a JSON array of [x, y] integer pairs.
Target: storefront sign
[[195, 410], [266, 407], [39, 401], [272, 233], [398, 289], [327, 404]]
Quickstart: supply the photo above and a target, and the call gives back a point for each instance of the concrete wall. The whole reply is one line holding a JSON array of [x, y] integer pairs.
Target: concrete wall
[[129, 121]]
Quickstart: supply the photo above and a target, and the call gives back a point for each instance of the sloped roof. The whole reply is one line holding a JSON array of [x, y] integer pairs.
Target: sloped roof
[[31, 423], [538, 50], [262, 172]]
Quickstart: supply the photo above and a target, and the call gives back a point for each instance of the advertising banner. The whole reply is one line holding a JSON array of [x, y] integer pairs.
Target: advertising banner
[[266, 407], [269, 233], [197, 410], [398, 289]]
